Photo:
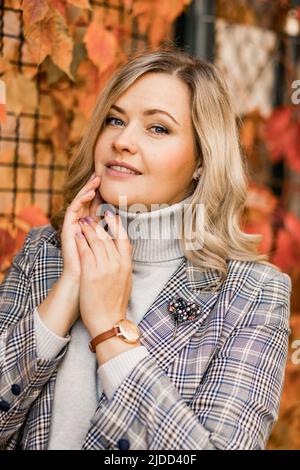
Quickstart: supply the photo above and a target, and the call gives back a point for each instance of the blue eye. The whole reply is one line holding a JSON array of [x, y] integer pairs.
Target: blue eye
[[109, 120], [165, 131]]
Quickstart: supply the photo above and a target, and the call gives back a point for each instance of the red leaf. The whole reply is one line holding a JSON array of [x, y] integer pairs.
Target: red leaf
[[282, 134], [287, 252]]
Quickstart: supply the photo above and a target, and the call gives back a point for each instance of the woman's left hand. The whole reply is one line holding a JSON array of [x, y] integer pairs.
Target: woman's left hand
[[106, 274]]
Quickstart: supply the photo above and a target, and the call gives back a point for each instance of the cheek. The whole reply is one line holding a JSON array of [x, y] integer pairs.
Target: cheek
[[175, 162], [101, 147]]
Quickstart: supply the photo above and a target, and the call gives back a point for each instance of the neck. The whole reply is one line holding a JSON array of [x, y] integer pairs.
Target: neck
[[154, 235]]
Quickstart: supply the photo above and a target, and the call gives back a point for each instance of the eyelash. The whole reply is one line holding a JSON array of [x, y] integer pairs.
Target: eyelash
[[166, 131]]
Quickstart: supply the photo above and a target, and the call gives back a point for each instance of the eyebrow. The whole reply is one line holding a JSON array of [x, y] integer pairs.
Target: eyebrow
[[147, 112]]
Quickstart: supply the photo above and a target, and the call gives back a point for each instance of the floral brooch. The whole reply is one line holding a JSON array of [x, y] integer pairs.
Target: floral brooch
[[183, 310]]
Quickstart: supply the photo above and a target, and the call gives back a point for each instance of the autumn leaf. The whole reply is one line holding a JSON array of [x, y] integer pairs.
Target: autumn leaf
[[2, 101], [34, 10], [262, 227], [157, 15], [38, 39], [287, 252], [7, 245], [62, 44], [128, 4], [102, 46], [33, 215], [3, 117], [50, 37], [260, 198], [21, 94], [282, 135], [80, 3], [59, 5]]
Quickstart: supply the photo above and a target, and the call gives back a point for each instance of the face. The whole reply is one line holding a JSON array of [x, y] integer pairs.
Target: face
[[158, 144]]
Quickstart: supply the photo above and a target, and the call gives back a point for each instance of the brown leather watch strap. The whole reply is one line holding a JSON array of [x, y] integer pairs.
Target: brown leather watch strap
[[102, 337]]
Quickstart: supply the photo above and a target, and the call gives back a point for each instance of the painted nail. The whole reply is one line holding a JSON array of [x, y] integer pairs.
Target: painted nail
[[83, 220], [108, 214], [89, 219]]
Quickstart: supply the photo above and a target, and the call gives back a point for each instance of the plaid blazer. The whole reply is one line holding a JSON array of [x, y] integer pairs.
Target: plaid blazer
[[211, 383]]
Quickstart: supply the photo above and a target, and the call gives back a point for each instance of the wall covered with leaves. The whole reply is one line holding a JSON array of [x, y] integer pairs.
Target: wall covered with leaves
[[56, 55]]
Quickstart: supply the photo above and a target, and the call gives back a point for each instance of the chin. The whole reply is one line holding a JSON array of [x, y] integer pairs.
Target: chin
[[130, 200]]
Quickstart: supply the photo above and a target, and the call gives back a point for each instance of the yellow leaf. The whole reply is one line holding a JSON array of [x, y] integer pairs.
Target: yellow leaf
[[101, 45], [21, 95]]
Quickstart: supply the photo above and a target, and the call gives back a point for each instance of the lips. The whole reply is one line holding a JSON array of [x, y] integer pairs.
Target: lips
[[120, 174], [123, 164]]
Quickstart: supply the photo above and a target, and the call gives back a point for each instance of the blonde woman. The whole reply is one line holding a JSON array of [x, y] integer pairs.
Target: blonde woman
[[115, 336]]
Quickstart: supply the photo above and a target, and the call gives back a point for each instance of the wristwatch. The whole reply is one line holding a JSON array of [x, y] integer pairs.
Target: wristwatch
[[124, 329]]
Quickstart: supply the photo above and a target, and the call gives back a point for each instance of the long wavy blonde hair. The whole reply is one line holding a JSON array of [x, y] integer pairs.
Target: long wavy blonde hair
[[222, 186]]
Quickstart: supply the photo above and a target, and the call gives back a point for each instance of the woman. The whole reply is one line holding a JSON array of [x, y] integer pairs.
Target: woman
[[205, 367]]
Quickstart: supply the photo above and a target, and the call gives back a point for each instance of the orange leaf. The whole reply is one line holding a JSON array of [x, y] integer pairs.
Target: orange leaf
[[33, 215], [50, 37], [3, 117], [38, 39], [169, 10], [34, 10], [101, 45], [62, 43], [21, 94], [80, 3], [59, 5]]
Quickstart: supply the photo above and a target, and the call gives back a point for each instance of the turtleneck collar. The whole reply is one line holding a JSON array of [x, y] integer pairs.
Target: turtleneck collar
[[154, 235]]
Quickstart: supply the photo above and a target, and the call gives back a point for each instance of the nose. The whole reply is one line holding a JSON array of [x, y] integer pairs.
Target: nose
[[125, 141]]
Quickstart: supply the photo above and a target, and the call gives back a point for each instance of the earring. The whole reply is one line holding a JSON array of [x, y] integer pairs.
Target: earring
[[197, 173]]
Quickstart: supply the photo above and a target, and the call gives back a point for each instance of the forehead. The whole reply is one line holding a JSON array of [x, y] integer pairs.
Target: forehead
[[155, 90]]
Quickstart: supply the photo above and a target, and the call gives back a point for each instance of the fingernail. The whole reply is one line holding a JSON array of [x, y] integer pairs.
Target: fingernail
[[89, 219], [83, 220], [108, 214], [79, 235], [94, 178]]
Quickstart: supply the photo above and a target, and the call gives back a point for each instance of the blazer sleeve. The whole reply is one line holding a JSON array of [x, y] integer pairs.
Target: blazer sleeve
[[237, 400], [22, 373]]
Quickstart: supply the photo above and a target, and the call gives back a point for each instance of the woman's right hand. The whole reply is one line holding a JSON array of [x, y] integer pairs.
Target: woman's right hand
[[84, 204]]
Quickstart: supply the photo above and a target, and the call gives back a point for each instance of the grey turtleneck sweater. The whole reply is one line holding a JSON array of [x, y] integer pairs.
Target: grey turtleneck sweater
[[156, 254]]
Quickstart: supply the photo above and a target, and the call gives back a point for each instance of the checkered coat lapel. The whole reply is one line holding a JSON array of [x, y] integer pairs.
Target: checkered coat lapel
[[161, 335]]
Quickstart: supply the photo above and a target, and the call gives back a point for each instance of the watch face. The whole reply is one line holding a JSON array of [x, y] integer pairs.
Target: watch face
[[129, 330]]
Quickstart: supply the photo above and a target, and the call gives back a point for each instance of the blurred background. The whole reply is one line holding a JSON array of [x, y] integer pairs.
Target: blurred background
[[55, 57]]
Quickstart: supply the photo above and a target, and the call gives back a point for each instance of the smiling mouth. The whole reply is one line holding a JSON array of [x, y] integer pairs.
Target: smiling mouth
[[120, 171]]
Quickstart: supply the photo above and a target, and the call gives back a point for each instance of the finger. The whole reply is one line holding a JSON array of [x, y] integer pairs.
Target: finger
[[119, 233], [94, 210], [84, 251], [98, 244], [74, 211], [91, 184]]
